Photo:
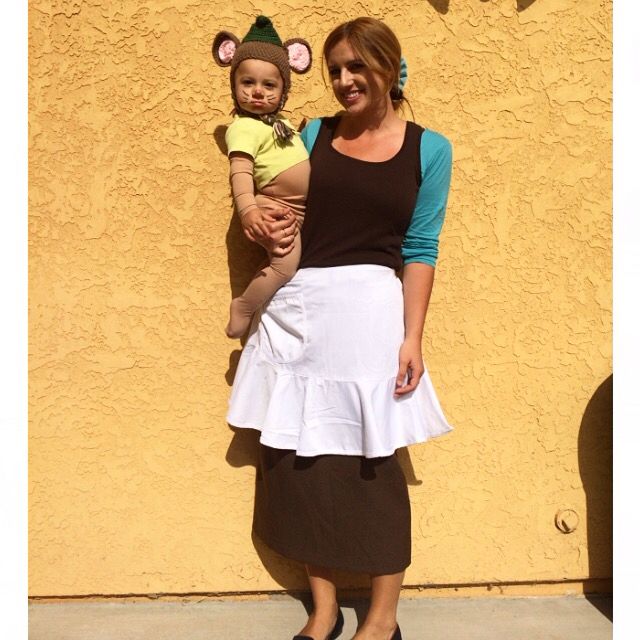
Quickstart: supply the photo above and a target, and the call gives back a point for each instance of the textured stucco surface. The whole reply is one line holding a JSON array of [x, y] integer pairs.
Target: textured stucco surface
[[137, 485]]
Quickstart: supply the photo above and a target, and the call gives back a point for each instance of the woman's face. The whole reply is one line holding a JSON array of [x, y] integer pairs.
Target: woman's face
[[356, 87], [258, 86]]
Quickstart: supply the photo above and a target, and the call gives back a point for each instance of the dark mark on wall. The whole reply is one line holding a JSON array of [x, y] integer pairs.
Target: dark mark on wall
[[524, 4], [442, 6]]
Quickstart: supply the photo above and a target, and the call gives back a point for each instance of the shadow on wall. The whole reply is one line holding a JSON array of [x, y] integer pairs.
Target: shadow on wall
[[242, 452], [442, 6], [595, 459], [244, 257]]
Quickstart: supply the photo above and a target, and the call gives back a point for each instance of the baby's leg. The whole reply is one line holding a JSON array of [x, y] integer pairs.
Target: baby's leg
[[264, 284]]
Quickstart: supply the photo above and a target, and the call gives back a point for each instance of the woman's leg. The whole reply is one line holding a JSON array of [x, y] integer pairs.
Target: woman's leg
[[325, 605], [380, 623]]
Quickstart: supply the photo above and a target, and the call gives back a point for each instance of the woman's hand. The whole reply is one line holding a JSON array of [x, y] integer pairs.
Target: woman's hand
[[410, 367], [417, 282], [274, 230]]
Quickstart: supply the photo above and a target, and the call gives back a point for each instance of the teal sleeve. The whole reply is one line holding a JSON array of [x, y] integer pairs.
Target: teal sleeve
[[310, 133], [420, 243]]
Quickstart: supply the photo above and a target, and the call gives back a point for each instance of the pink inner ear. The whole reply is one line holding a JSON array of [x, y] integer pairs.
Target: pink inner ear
[[299, 57], [226, 51]]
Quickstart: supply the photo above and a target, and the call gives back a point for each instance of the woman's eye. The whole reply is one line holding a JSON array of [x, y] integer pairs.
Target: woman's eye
[[334, 72], [356, 66]]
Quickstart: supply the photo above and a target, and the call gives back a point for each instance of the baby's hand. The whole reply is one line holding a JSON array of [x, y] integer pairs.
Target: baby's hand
[[256, 224]]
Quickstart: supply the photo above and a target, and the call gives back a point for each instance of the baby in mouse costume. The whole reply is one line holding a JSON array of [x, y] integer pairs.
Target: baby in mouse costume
[[269, 165]]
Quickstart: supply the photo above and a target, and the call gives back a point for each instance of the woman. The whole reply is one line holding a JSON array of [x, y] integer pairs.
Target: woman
[[332, 374]]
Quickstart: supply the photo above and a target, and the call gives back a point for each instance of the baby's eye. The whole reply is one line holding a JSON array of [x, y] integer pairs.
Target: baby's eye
[[270, 85], [246, 83]]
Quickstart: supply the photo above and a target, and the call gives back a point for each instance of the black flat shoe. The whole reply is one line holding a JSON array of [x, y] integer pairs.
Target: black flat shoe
[[335, 632], [337, 627], [397, 635]]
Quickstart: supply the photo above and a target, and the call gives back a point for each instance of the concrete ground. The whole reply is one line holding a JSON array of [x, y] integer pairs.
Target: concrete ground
[[496, 618]]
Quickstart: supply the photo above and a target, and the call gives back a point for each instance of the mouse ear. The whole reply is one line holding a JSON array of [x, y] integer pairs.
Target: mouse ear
[[224, 48], [299, 54]]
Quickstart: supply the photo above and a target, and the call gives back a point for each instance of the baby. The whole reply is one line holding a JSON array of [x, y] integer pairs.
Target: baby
[[269, 165]]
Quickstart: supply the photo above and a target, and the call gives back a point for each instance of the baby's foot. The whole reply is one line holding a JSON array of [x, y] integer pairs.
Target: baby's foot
[[238, 322]]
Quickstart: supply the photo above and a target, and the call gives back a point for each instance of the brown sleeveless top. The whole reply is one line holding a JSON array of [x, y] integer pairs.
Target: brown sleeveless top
[[358, 211]]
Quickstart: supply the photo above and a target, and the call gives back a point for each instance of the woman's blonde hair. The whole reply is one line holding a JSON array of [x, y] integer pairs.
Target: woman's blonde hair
[[376, 45]]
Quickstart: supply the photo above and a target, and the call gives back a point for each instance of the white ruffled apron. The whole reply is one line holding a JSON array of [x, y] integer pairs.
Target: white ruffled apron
[[318, 371]]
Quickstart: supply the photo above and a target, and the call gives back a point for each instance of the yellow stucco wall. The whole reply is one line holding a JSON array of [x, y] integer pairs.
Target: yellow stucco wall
[[137, 485]]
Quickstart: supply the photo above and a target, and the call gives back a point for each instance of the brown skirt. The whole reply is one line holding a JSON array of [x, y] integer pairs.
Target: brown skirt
[[335, 511]]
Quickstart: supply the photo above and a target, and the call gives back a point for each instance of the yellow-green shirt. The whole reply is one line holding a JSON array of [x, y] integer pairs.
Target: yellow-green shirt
[[270, 155]]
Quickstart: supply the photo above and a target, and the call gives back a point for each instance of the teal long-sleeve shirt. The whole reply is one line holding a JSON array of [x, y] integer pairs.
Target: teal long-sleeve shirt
[[420, 243]]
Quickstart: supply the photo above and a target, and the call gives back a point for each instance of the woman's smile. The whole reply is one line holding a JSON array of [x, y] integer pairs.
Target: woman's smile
[[351, 97]]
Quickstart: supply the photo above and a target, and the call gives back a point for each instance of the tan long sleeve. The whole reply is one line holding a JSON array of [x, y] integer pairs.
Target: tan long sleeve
[[242, 185]]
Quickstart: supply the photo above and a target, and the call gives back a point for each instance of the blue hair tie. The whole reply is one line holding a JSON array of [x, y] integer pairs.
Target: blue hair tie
[[403, 75]]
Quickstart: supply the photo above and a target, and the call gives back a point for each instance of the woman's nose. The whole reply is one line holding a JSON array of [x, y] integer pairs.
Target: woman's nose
[[345, 77]]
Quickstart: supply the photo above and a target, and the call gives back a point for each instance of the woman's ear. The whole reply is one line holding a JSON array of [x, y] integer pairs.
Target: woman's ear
[[299, 54], [224, 48]]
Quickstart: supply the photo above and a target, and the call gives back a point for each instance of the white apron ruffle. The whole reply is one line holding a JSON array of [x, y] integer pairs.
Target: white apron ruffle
[[318, 371]]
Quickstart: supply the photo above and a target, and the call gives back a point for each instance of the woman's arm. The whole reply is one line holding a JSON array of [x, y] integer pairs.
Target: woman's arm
[[417, 283], [420, 243], [420, 251]]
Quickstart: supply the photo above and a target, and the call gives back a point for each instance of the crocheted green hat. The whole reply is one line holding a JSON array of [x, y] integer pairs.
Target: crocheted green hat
[[262, 30]]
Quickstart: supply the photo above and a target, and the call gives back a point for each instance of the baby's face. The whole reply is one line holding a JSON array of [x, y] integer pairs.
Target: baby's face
[[258, 86]]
